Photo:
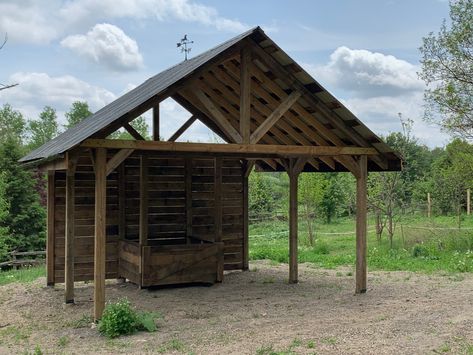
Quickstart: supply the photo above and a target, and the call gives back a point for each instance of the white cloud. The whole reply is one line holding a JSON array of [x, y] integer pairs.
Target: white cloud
[[377, 87], [36, 21], [36, 90], [107, 45], [369, 74]]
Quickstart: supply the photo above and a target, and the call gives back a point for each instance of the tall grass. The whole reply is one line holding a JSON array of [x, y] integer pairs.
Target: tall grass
[[415, 248], [23, 275]]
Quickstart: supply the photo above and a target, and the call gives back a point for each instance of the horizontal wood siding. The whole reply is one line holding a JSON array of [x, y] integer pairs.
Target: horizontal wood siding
[[166, 206], [84, 223]]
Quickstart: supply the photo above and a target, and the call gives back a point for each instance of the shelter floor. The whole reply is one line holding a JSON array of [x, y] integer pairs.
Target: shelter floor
[[256, 312]]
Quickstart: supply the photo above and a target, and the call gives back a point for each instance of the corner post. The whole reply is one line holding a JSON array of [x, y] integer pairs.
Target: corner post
[[50, 245], [69, 229], [100, 231], [361, 211]]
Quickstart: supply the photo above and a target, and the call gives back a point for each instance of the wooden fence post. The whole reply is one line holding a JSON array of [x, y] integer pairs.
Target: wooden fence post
[[429, 205], [468, 202]]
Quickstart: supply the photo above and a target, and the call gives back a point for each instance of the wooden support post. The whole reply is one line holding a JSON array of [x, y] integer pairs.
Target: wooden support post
[[218, 199], [245, 94], [246, 170], [468, 202], [100, 231], [188, 187], [50, 221], [219, 215], [69, 231], [156, 122], [294, 168], [361, 211], [121, 208], [143, 231], [429, 205]]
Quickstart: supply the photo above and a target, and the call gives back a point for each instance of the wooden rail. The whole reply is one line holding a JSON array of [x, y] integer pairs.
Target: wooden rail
[[15, 262]]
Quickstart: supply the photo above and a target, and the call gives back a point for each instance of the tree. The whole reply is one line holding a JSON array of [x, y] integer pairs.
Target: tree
[[259, 193], [12, 125], [25, 219], [447, 68], [78, 112], [44, 129], [4, 234], [311, 192]]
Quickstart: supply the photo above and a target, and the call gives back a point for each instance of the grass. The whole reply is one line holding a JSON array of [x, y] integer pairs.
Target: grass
[[23, 275], [415, 249]]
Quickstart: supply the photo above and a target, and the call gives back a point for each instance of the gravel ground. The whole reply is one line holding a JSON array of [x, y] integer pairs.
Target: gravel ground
[[256, 312]]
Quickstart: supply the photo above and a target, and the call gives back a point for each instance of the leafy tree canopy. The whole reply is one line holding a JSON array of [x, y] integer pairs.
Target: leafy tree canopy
[[447, 68], [78, 112]]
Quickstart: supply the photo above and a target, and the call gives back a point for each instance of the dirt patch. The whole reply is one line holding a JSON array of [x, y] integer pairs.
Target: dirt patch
[[256, 312]]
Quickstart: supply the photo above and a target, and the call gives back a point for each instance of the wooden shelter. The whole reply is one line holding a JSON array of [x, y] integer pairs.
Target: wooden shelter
[[164, 212]]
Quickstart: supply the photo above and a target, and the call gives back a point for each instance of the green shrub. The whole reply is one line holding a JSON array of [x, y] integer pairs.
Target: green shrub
[[419, 250], [121, 319], [321, 248]]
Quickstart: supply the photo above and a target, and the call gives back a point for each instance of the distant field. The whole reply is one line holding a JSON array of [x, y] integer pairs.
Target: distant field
[[427, 245]]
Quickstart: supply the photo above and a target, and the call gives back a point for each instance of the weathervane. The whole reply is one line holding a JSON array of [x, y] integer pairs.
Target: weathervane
[[183, 45]]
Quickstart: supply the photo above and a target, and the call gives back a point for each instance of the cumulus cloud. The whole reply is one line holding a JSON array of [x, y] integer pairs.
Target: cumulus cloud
[[377, 87], [36, 90], [36, 21], [368, 74], [107, 45]]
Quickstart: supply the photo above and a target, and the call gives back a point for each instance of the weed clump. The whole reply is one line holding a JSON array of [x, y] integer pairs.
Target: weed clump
[[120, 318]]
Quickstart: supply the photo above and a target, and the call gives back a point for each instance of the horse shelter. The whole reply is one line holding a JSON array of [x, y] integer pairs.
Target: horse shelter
[[161, 212]]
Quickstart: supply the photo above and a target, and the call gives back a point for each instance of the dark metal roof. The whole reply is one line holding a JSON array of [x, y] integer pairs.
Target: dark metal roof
[[129, 101]]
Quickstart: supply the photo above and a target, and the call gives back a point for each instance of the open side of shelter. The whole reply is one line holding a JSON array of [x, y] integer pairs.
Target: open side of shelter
[[166, 212]]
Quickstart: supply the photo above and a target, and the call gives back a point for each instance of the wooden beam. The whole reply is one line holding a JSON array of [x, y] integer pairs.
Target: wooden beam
[[69, 229], [293, 219], [218, 117], [143, 229], [234, 116], [117, 159], [218, 199], [156, 123], [284, 133], [245, 94], [247, 166], [188, 188], [57, 164], [183, 128], [100, 231], [361, 211], [50, 221], [230, 52], [315, 102], [242, 150], [134, 133], [274, 116]]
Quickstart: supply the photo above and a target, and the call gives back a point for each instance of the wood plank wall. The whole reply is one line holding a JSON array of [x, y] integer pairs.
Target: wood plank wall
[[84, 223], [167, 209]]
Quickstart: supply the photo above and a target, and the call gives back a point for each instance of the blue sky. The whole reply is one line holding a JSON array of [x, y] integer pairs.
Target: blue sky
[[364, 51]]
